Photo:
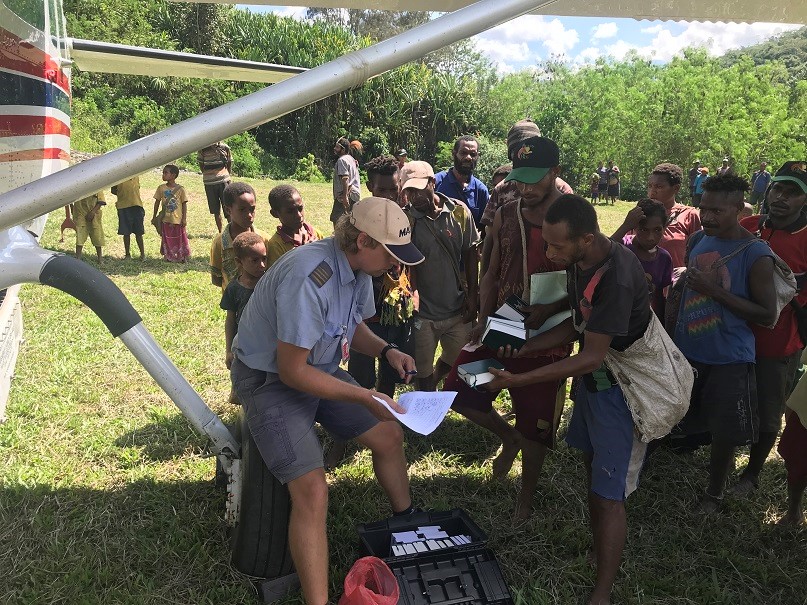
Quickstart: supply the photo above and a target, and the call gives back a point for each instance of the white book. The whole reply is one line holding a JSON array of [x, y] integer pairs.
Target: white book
[[477, 373]]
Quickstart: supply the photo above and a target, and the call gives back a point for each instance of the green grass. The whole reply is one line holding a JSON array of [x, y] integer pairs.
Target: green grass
[[107, 496]]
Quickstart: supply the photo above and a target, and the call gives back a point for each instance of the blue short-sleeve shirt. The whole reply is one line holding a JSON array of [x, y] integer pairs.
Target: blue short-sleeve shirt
[[309, 298], [475, 195]]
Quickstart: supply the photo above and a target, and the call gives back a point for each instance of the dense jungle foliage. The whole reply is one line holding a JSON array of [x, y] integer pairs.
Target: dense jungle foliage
[[745, 105]]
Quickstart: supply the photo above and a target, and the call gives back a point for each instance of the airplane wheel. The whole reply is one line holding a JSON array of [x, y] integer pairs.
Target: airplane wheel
[[260, 540]]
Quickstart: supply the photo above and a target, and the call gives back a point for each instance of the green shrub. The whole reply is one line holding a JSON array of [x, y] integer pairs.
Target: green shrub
[[247, 155], [307, 170], [91, 131], [493, 153], [275, 167], [374, 141], [443, 158]]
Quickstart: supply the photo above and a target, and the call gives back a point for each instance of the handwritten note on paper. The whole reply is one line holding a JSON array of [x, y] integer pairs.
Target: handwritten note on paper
[[425, 410]]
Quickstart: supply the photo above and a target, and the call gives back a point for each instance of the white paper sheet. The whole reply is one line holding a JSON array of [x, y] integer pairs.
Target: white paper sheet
[[405, 537], [425, 410]]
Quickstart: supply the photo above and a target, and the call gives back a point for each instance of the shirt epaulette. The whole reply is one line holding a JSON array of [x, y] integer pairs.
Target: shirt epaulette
[[321, 274]]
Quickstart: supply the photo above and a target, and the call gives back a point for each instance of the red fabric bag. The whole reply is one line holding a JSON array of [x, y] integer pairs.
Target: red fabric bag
[[370, 582]]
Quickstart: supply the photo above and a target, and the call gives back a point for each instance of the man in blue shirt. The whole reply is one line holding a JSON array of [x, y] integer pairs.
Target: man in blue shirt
[[729, 284], [459, 183], [759, 184], [305, 315]]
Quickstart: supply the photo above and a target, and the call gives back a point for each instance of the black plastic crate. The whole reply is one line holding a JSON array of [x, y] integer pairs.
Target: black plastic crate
[[375, 538], [461, 575]]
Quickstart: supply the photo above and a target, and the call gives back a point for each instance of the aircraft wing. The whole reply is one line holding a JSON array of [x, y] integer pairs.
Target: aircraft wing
[[771, 11], [106, 57]]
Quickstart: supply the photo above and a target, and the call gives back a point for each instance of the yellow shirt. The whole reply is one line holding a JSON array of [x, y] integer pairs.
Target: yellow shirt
[[172, 200], [222, 257], [84, 205], [282, 243], [798, 398], [128, 193]]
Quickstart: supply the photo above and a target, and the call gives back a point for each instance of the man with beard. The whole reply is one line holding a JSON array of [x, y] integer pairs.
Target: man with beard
[[507, 191], [610, 310], [459, 183], [518, 252], [444, 230]]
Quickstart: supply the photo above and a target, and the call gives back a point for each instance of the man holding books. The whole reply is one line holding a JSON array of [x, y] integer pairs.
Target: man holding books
[[518, 252], [608, 296]]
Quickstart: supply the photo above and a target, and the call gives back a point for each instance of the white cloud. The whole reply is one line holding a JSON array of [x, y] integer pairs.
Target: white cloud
[[588, 55], [653, 29], [295, 12], [604, 30], [552, 35], [504, 52], [717, 38], [620, 48]]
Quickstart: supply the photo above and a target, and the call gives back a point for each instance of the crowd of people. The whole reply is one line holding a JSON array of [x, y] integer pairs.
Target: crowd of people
[[427, 257]]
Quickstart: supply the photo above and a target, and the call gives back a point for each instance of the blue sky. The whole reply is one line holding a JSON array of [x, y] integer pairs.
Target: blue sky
[[523, 42]]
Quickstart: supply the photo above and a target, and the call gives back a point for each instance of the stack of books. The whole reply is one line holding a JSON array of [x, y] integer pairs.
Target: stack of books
[[512, 309], [502, 332]]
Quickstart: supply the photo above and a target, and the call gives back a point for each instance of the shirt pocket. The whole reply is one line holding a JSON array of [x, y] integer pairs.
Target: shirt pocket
[[326, 348], [355, 320]]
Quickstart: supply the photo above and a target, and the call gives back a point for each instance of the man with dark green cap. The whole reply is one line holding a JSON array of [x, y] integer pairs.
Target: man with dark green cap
[[517, 252], [506, 191], [778, 350]]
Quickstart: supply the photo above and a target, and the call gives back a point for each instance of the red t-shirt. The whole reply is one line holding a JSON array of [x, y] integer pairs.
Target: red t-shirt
[[790, 244], [682, 222]]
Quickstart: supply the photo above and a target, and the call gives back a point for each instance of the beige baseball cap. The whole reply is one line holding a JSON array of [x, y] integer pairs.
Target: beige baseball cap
[[385, 222], [416, 175]]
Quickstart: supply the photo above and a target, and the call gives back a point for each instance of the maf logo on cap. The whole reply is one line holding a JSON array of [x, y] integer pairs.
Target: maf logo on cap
[[404, 232]]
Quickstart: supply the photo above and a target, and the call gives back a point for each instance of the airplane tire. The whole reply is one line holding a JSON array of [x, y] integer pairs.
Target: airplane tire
[[260, 540]]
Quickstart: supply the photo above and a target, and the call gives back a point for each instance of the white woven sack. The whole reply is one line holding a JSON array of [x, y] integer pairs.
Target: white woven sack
[[656, 380]]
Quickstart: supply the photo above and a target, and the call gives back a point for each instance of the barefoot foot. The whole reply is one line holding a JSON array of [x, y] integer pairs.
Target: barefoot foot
[[791, 520], [504, 461]]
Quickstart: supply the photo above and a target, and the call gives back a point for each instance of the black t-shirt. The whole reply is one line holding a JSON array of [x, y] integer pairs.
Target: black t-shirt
[[620, 305], [235, 298]]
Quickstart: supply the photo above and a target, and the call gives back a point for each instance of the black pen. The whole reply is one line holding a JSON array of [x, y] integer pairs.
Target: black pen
[[411, 372]]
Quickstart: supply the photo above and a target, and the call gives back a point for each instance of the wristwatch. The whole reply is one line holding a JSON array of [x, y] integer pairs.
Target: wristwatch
[[383, 353]]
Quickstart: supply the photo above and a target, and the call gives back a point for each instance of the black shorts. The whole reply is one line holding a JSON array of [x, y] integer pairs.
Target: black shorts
[[215, 196], [723, 403], [130, 220], [776, 377]]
